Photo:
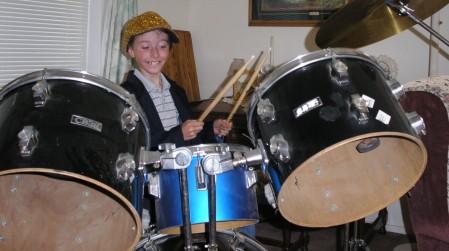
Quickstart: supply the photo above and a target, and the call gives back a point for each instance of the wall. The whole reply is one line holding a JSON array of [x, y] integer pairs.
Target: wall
[[220, 33]]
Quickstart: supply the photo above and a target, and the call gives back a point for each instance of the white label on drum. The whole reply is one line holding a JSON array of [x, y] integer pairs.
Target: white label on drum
[[369, 101], [89, 123], [308, 106], [383, 117]]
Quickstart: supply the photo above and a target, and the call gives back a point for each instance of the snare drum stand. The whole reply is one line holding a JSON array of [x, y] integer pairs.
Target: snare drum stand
[[212, 214], [187, 226], [354, 243]]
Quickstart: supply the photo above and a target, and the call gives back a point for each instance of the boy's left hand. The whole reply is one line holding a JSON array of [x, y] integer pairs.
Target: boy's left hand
[[221, 127]]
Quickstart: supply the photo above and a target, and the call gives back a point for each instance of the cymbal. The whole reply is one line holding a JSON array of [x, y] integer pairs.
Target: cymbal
[[363, 22]]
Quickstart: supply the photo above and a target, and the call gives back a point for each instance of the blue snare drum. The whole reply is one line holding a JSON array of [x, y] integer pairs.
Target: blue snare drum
[[236, 202]]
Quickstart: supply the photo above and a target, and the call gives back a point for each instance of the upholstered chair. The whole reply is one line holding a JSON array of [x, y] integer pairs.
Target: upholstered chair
[[428, 200]]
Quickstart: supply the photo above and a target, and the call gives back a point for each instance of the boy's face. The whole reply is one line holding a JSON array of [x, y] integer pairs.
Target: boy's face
[[150, 51]]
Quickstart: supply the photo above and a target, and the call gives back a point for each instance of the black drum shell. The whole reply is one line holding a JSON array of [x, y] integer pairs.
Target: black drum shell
[[314, 131], [77, 161], [63, 145], [323, 139]]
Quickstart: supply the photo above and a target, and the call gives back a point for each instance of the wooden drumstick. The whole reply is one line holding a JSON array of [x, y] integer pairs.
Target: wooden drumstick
[[248, 85], [224, 90]]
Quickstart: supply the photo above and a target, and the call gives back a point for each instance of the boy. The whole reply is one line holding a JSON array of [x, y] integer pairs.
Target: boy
[[148, 38]]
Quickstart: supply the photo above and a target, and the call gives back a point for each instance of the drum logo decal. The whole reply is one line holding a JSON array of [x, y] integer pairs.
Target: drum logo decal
[[89, 123], [307, 107]]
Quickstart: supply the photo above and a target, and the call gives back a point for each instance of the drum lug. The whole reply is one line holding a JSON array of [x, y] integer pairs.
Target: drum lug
[[129, 119], [340, 71], [154, 184], [201, 183], [251, 178], [41, 92], [125, 166], [266, 111], [279, 147], [27, 140], [362, 108], [417, 123], [396, 88]]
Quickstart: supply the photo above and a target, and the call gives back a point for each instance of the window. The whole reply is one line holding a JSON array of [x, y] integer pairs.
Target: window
[[38, 34]]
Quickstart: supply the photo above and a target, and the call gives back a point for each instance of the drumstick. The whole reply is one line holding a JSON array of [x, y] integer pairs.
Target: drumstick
[[248, 85], [223, 91]]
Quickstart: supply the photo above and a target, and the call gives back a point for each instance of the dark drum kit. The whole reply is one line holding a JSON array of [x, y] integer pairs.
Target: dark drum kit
[[327, 127]]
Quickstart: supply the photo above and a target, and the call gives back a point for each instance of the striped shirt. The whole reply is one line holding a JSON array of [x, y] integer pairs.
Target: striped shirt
[[163, 101]]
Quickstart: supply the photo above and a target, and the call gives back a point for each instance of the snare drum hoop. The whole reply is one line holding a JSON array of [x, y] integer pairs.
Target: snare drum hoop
[[84, 77], [297, 63], [211, 148]]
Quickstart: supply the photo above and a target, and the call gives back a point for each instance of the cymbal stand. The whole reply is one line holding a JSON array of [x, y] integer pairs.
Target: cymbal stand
[[405, 10]]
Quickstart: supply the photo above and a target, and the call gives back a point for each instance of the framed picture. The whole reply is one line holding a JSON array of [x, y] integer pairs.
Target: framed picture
[[291, 12]]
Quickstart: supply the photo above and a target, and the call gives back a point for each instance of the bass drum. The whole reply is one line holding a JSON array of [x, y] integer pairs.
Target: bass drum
[[340, 144], [226, 240], [69, 142]]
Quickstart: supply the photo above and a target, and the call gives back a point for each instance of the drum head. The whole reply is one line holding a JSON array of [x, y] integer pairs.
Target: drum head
[[340, 185], [53, 210]]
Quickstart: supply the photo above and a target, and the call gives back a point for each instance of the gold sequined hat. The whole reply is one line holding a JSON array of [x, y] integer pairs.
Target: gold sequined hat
[[145, 22]]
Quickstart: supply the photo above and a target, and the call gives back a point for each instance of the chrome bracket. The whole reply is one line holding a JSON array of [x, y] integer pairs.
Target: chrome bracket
[[362, 108], [148, 158], [266, 111], [129, 119], [279, 147], [340, 71], [216, 163], [179, 158], [396, 88], [417, 123], [27, 140], [154, 184], [125, 166], [41, 92], [251, 178]]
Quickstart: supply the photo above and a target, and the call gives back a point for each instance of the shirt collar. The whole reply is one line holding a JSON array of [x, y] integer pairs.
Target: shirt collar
[[149, 85]]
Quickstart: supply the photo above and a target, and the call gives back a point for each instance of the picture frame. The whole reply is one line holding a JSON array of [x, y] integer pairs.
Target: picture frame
[[291, 12]]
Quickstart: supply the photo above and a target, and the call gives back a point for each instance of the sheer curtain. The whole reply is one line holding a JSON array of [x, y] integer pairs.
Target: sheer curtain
[[116, 14]]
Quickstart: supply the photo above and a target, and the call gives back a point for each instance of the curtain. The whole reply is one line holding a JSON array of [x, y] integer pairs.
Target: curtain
[[116, 13]]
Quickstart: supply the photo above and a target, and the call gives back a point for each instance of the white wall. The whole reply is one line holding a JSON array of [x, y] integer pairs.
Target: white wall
[[220, 33]]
